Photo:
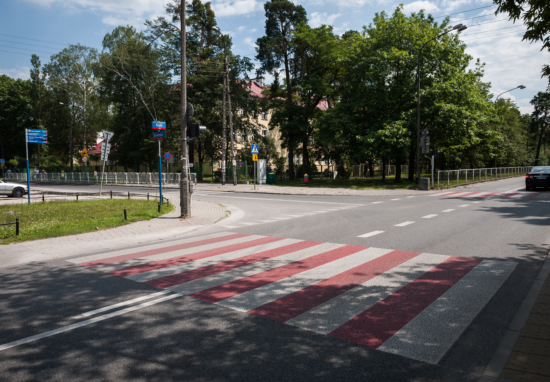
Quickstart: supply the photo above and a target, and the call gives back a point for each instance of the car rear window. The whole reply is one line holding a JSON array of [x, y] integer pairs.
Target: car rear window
[[544, 169]]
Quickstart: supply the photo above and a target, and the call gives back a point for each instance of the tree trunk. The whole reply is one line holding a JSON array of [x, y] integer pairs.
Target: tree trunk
[[398, 162], [383, 169], [305, 155], [371, 168], [412, 154], [542, 128]]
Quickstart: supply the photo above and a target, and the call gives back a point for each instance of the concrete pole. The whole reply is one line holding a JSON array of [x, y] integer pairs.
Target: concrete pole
[[185, 200]]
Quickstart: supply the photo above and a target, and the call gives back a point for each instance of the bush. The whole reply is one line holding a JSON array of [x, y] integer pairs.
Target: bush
[[13, 162]]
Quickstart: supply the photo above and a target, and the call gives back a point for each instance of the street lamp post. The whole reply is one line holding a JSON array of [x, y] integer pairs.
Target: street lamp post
[[507, 91], [496, 99], [459, 28], [70, 137]]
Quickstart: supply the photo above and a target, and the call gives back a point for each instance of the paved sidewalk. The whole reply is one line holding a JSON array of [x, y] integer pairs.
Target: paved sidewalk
[[269, 189], [524, 352], [530, 358], [165, 227]]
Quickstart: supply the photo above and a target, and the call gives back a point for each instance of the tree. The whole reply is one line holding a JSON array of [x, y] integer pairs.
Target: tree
[[376, 115], [536, 17], [274, 50], [541, 114], [37, 93], [317, 70], [72, 71]]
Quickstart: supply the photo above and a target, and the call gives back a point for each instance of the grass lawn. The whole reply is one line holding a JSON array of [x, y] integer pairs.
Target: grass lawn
[[356, 184], [51, 219]]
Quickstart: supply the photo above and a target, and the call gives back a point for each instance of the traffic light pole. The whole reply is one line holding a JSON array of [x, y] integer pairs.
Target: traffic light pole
[[233, 158], [185, 200]]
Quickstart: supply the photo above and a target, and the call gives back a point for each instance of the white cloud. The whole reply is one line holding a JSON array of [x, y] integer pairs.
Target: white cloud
[[418, 5], [510, 62], [318, 19], [241, 28], [113, 12], [236, 7], [22, 72], [250, 42]]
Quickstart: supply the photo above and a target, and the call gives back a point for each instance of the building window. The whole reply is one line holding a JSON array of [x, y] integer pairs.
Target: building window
[[264, 133], [235, 136], [255, 114], [264, 115], [244, 136], [242, 113], [298, 159]]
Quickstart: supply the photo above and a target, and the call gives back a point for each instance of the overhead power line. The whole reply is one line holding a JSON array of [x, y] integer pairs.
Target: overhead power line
[[25, 38], [468, 10], [30, 50], [23, 43], [23, 54], [491, 30], [493, 35]]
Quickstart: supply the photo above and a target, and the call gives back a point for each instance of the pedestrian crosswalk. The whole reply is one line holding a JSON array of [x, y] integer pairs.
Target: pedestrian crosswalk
[[514, 195], [407, 303]]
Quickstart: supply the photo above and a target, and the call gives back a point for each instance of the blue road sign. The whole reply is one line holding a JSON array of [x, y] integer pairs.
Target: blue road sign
[[161, 134], [240, 163], [255, 149], [36, 136], [167, 156], [158, 125], [2, 161]]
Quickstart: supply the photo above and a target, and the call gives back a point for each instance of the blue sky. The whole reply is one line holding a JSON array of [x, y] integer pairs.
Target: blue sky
[[493, 39]]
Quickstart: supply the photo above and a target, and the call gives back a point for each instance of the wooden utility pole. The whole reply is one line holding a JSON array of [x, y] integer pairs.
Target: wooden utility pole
[[185, 200]]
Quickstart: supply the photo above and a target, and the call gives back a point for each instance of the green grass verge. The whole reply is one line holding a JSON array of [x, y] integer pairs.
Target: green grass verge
[[52, 219]]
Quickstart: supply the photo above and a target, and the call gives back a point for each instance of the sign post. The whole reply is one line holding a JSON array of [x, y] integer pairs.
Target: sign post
[[255, 151], [33, 136], [159, 132], [105, 149], [2, 164]]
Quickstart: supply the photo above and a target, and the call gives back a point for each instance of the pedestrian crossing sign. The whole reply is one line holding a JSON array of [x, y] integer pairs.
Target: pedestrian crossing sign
[[255, 149], [254, 157]]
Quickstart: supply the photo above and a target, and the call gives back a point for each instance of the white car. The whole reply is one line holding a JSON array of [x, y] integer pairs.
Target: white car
[[12, 189]]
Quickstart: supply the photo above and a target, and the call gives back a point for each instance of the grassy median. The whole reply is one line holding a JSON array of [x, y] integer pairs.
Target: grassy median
[[52, 219], [354, 184]]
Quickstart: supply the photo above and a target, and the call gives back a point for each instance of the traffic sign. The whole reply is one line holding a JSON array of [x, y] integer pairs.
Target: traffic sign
[[105, 150], [158, 125], [240, 163], [36, 136], [107, 135], [84, 159], [84, 153], [159, 134], [2, 161], [255, 149], [2, 164], [254, 157], [167, 156]]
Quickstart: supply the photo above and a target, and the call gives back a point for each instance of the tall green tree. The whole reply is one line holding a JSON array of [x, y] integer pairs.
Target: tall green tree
[[275, 54], [541, 114], [38, 91]]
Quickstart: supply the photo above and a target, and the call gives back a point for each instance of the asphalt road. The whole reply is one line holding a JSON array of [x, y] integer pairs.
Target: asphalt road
[[185, 338]]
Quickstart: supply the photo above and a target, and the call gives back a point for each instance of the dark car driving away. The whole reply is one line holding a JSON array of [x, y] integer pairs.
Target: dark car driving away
[[538, 177]]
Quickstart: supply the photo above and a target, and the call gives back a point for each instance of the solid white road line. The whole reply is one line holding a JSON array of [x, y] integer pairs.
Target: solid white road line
[[232, 226], [124, 303], [449, 210], [371, 234], [296, 216], [281, 218], [464, 205], [410, 196], [248, 223], [80, 324], [403, 224], [429, 216], [267, 221]]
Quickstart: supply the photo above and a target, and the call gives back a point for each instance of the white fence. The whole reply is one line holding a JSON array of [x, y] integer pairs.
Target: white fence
[[453, 178], [138, 178]]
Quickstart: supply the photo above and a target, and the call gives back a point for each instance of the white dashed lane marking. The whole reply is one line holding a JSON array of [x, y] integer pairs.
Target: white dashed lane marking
[[464, 205], [371, 234], [403, 224], [449, 210], [429, 216]]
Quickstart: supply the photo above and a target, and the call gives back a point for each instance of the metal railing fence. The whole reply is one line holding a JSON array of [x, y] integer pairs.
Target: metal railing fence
[[453, 178], [111, 178]]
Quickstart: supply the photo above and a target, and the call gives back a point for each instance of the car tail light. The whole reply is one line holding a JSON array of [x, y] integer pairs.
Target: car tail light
[[529, 176]]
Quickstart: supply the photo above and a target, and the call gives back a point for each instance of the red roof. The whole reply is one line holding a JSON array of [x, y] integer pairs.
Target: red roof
[[97, 148], [256, 91]]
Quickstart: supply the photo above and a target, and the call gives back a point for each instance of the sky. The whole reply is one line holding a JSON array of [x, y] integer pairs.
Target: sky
[[44, 27]]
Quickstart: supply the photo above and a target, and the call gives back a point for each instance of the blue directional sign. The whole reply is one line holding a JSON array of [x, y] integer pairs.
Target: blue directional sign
[[36, 136], [255, 149], [158, 125], [2, 161], [161, 134]]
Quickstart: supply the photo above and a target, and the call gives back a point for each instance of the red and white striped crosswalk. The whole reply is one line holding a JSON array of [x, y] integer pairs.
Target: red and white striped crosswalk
[[407, 303], [485, 194]]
